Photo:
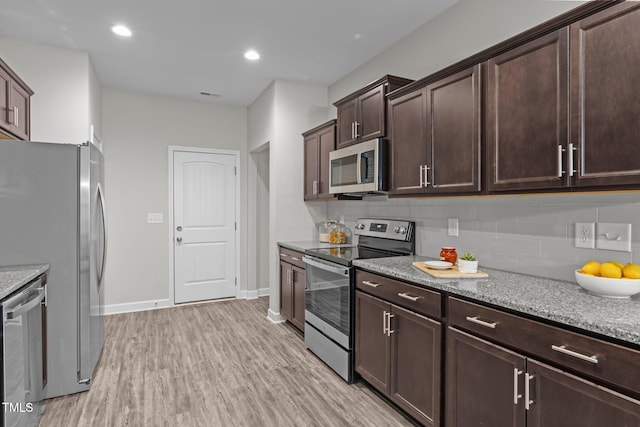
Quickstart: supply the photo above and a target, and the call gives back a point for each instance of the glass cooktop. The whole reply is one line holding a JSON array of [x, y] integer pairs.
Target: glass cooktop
[[346, 254]]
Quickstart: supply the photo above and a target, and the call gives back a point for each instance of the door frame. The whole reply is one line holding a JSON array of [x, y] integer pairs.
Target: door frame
[[171, 226]]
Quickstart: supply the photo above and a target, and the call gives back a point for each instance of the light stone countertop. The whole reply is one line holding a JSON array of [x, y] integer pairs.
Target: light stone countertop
[[303, 245], [563, 302], [13, 278]]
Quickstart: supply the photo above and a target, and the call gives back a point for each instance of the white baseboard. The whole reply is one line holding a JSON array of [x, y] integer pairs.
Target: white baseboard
[[129, 307], [264, 292], [274, 317]]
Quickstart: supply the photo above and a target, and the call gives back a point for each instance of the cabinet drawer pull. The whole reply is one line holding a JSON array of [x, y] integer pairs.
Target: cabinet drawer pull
[[372, 284], [482, 322], [405, 295], [563, 349], [283, 255], [295, 259]]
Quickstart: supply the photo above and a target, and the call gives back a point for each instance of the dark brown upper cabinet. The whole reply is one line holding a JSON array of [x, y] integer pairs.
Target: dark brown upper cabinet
[[318, 143], [15, 104], [435, 134], [362, 114], [605, 108], [527, 115], [562, 109]]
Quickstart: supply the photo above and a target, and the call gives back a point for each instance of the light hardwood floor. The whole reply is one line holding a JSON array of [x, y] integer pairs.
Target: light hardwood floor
[[214, 364]]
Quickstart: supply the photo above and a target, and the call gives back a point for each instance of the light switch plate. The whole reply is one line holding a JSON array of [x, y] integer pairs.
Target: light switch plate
[[452, 227], [155, 218], [613, 236]]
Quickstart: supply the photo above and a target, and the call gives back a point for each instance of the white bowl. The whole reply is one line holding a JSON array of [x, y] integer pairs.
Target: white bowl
[[610, 288]]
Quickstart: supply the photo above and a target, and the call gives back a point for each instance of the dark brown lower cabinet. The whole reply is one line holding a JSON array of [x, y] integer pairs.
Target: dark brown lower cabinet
[[398, 352], [292, 284], [488, 385]]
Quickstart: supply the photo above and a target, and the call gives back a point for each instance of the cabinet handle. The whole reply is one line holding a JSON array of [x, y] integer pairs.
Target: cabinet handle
[[295, 258], [353, 133], [563, 349], [389, 330], [572, 148], [420, 185], [560, 151], [284, 255], [315, 187], [372, 284], [516, 395], [482, 322], [384, 322], [16, 116], [289, 277], [527, 391], [355, 127], [406, 295], [426, 176]]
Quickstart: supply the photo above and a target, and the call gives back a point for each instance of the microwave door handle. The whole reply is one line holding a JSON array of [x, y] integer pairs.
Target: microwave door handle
[[364, 167], [358, 168]]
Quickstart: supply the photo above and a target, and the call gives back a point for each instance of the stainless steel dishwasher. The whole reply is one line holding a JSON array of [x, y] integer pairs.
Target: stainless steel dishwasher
[[24, 376]]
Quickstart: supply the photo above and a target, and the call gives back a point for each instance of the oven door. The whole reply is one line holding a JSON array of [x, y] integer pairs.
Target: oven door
[[328, 297]]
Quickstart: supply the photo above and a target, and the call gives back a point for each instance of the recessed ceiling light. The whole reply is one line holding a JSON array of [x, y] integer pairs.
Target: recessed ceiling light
[[121, 30], [252, 55]]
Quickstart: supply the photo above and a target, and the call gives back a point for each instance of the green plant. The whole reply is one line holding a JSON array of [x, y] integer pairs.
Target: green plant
[[468, 256]]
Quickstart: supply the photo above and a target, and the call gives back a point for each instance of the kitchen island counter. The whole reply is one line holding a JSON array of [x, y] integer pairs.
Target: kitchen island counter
[[13, 278], [558, 301]]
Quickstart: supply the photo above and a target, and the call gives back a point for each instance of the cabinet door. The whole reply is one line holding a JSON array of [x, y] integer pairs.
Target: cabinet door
[[299, 283], [563, 400], [372, 348], [311, 167], [20, 100], [347, 113], [5, 91], [327, 143], [371, 114], [453, 136], [483, 382], [415, 365], [408, 140], [605, 64], [286, 291], [527, 117]]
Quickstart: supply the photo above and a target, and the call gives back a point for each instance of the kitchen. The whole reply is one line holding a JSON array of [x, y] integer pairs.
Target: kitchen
[[523, 234]]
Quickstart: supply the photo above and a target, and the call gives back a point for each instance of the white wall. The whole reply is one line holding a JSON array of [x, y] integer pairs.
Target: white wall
[[64, 82], [261, 119], [137, 130]]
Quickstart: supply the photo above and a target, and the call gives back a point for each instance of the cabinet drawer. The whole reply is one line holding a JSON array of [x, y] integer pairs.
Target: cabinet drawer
[[412, 297], [591, 356], [292, 257]]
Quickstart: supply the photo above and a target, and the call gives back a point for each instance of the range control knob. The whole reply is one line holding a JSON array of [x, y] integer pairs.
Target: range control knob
[[401, 230], [359, 226], [396, 229]]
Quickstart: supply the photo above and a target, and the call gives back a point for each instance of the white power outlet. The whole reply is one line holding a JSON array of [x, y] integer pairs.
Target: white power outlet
[[585, 235], [453, 227]]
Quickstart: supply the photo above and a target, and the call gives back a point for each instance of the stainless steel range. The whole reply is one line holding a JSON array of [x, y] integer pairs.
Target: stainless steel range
[[330, 288]]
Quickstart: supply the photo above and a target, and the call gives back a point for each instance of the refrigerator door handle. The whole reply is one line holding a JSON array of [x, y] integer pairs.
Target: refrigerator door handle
[[104, 237]]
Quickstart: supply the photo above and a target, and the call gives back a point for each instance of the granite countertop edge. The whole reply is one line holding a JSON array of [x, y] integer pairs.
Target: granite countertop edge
[[558, 301], [303, 245], [12, 278]]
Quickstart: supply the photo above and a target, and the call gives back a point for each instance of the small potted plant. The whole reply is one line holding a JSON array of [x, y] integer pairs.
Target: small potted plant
[[468, 263]]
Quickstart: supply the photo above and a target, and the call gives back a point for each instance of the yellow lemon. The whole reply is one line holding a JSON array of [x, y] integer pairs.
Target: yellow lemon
[[610, 270], [591, 267], [631, 271], [617, 264]]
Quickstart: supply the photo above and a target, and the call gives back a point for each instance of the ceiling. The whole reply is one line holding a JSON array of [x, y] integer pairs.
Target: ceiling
[[182, 48]]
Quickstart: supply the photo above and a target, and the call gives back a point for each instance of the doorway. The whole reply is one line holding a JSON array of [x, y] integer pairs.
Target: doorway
[[204, 218]]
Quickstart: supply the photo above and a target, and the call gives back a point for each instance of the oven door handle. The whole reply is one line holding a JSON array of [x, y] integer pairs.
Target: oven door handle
[[342, 271]]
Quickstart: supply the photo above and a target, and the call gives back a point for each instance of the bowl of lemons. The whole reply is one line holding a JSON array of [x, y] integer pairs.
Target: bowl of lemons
[[609, 279]]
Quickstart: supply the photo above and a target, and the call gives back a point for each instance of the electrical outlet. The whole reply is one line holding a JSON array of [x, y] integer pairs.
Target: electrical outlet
[[154, 218], [585, 235], [453, 227], [614, 237]]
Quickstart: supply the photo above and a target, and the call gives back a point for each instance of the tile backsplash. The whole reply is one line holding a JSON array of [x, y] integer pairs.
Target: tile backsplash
[[532, 234]]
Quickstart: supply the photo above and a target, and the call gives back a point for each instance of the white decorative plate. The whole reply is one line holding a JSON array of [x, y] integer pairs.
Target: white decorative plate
[[438, 265]]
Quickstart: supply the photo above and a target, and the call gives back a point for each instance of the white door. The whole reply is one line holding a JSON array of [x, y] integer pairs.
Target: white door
[[204, 241]]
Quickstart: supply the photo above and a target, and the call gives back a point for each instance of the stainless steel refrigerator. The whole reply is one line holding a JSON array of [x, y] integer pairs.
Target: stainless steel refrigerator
[[52, 211]]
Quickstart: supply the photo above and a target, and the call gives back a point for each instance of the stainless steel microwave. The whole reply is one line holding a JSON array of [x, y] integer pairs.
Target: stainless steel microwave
[[359, 168]]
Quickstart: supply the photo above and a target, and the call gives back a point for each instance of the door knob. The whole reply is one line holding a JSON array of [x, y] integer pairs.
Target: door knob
[[179, 239], [179, 228]]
